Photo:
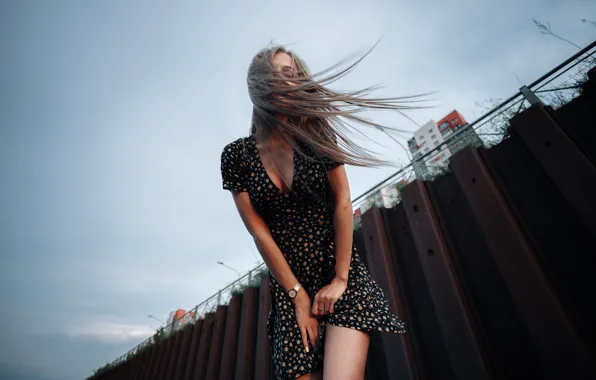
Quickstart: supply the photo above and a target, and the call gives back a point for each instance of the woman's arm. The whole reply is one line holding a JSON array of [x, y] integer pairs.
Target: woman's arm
[[277, 264], [325, 299], [274, 258], [342, 219]]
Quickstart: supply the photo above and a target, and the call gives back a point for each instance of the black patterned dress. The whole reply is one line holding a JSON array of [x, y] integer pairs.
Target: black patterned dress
[[301, 223]]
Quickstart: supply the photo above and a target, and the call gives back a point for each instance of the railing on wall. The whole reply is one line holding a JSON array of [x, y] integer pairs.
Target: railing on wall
[[556, 87]]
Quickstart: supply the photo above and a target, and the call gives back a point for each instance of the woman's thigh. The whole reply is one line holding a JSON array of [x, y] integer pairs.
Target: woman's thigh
[[345, 353]]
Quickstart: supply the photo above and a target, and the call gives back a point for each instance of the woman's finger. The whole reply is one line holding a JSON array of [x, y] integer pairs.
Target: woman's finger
[[315, 304], [331, 307], [322, 306], [312, 335], [304, 338], [326, 303]]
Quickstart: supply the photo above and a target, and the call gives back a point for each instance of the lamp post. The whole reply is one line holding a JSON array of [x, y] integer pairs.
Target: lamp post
[[230, 268], [158, 320]]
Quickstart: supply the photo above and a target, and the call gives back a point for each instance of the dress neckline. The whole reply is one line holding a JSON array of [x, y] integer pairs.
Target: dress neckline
[[262, 165]]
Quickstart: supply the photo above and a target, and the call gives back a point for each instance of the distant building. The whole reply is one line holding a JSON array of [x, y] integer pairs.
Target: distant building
[[428, 156], [179, 318], [457, 132], [433, 143]]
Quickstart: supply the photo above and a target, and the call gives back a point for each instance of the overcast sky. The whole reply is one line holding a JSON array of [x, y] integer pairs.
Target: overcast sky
[[114, 114]]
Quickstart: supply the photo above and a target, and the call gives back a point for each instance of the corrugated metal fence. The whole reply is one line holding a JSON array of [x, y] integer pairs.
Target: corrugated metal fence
[[492, 266]]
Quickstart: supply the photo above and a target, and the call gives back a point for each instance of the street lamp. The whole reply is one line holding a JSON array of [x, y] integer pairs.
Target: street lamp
[[230, 268], [158, 320]]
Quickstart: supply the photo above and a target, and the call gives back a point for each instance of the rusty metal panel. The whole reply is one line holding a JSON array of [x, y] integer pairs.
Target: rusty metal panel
[[563, 248], [263, 355], [555, 338], [163, 369], [114, 373], [167, 353], [125, 368], [230, 346], [245, 361], [145, 358], [142, 361], [183, 353], [148, 363], [578, 120], [194, 349], [508, 345], [375, 360], [171, 368], [419, 312], [121, 371], [127, 373], [564, 163], [159, 355], [219, 329], [133, 364], [204, 345], [396, 348], [117, 372], [136, 363], [104, 376], [455, 319]]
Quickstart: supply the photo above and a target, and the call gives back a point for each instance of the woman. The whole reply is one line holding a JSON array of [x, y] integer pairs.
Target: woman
[[291, 190]]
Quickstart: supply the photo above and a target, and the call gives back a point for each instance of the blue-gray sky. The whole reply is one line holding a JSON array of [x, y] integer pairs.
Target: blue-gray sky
[[113, 116]]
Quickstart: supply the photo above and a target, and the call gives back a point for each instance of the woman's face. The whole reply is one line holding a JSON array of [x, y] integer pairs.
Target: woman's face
[[284, 63]]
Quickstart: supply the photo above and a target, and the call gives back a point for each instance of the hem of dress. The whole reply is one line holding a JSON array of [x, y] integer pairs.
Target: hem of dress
[[302, 373], [368, 329]]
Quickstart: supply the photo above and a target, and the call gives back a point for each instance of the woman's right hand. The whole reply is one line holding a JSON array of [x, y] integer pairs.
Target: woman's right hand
[[307, 323]]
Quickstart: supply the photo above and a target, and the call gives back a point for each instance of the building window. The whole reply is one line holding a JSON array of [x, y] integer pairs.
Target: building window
[[434, 137]]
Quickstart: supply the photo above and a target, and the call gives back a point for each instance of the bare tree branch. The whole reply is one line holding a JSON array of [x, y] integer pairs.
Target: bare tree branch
[[546, 29]]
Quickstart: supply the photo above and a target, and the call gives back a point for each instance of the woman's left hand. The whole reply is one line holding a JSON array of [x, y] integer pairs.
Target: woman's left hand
[[325, 299]]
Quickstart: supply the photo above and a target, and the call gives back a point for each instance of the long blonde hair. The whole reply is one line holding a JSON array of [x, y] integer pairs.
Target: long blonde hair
[[316, 115]]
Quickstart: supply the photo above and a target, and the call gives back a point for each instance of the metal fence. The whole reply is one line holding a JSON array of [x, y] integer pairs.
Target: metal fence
[[554, 88], [559, 84]]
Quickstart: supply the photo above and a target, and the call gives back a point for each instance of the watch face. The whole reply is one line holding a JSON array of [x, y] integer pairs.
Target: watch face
[[292, 293]]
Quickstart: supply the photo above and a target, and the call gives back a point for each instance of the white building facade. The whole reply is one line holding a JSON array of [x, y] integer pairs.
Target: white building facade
[[428, 157]]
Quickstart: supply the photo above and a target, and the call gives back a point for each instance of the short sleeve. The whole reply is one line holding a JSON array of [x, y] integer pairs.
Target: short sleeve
[[233, 168], [330, 163]]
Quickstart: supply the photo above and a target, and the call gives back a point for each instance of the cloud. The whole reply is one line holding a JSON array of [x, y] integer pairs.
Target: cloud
[[110, 332]]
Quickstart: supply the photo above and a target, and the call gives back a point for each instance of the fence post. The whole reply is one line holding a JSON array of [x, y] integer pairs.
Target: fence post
[[530, 96]]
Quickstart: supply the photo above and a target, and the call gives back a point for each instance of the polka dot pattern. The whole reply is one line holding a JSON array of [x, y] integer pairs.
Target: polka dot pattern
[[301, 223]]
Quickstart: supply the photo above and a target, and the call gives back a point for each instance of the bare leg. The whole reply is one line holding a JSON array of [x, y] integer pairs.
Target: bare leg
[[311, 376], [345, 353]]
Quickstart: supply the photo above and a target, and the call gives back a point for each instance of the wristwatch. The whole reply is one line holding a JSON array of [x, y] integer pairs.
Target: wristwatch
[[294, 291]]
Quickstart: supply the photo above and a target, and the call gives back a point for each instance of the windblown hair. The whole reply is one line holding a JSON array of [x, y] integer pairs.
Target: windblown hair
[[316, 115]]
